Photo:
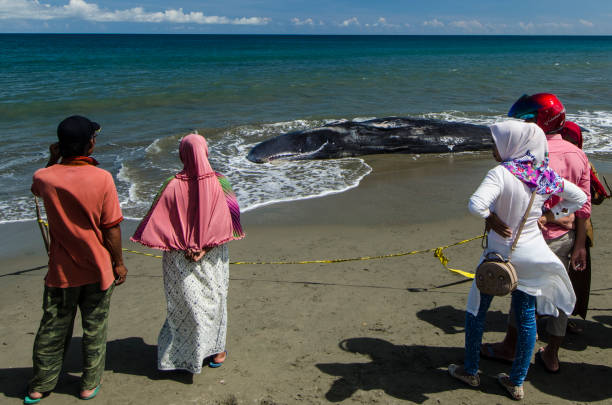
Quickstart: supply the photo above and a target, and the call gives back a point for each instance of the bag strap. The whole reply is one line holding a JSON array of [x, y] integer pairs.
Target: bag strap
[[485, 237], [520, 229]]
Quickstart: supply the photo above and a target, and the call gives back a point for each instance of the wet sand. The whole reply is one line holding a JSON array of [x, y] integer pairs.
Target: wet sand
[[376, 331]]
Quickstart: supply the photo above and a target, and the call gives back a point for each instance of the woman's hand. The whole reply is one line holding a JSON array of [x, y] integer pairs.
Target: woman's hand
[[566, 222], [547, 217], [493, 222], [195, 255]]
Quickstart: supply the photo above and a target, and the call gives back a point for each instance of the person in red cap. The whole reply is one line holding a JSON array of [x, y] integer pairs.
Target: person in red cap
[[85, 257], [571, 132], [581, 280], [566, 237]]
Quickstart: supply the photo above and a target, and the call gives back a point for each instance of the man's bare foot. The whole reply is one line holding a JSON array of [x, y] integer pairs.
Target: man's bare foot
[[35, 394], [497, 351], [549, 359], [89, 394]]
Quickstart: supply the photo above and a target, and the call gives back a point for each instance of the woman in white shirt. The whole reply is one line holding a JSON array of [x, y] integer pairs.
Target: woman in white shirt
[[501, 199]]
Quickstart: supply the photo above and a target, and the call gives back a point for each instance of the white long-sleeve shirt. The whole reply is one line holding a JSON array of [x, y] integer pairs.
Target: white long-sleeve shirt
[[540, 272]]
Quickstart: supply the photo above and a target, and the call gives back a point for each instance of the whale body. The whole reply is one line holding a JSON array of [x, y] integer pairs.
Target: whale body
[[381, 135]]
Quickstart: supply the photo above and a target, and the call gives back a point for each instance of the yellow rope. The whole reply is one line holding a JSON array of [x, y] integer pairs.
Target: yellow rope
[[438, 252], [142, 253]]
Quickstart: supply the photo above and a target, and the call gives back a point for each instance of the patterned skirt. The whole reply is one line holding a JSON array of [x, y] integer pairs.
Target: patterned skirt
[[196, 296]]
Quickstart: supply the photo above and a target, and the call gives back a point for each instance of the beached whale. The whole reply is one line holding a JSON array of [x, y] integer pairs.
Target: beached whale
[[381, 135]]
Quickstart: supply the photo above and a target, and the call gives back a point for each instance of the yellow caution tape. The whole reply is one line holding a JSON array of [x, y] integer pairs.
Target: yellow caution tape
[[142, 253], [438, 252]]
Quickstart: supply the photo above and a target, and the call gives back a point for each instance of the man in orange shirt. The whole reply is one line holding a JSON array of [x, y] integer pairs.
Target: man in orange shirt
[[85, 257]]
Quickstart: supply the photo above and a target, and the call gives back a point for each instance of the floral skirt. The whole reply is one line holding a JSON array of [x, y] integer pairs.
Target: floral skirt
[[196, 296]]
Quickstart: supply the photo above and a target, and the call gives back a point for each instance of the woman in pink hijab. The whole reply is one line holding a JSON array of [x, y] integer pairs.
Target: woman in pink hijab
[[192, 218]]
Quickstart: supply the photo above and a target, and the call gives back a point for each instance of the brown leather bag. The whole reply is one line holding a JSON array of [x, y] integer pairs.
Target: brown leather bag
[[496, 275]]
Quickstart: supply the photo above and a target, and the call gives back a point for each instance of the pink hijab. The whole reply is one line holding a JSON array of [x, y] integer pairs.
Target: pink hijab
[[191, 211]]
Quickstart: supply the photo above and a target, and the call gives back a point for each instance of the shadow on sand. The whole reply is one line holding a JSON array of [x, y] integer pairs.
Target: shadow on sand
[[413, 372], [125, 356], [452, 320], [595, 334]]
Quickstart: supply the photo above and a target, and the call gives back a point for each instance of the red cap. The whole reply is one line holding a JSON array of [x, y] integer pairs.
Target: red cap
[[571, 132]]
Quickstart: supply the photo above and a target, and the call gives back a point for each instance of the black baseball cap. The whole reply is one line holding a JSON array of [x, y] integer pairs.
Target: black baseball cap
[[76, 129]]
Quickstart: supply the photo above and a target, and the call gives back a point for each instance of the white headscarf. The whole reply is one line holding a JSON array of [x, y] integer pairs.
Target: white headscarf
[[514, 139]]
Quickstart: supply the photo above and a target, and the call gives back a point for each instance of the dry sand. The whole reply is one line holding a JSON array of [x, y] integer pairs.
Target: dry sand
[[378, 331]]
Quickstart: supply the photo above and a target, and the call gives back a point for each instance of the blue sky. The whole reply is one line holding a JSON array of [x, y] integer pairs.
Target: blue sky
[[514, 17]]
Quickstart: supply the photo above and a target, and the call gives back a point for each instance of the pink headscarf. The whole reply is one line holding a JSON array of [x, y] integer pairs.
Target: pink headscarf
[[191, 211]]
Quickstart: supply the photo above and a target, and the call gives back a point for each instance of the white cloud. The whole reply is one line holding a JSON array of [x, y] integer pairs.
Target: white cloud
[[526, 27], [297, 21], [34, 10], [349, 22], [556, 26], [382, 22], [586, 23], [467, 25], [433, 23]]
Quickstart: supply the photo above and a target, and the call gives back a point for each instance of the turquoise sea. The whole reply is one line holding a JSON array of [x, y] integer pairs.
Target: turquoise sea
[[147, 91]]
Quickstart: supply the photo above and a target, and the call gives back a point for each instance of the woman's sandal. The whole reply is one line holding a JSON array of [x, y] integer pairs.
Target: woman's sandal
[[459, 373], [516, 391], [212, 363]]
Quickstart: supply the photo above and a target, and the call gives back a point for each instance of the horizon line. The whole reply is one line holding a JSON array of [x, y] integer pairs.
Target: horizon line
[[308, 35]]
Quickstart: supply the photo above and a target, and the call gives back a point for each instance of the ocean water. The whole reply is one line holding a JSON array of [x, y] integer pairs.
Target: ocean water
[[147, 91]]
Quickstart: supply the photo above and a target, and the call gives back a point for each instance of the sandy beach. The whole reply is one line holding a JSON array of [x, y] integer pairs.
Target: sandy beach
[[365, 331]]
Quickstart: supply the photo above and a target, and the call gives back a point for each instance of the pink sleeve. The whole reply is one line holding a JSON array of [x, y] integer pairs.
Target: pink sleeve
[[585, 185], [111, 210]]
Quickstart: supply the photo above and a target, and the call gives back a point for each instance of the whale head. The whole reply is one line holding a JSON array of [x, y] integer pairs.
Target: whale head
[[301, 145]]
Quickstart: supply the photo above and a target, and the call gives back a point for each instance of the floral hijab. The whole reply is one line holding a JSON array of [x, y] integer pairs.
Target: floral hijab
[[524, 152]]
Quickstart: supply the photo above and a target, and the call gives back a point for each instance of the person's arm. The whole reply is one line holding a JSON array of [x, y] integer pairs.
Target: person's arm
[[578, 259], [112, 242], [54, 157], [579, 255], [573, 198], [54, 154], [484, 197]]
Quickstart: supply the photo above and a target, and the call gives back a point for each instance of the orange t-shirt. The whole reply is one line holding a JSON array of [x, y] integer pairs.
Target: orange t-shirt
[[80, 200]]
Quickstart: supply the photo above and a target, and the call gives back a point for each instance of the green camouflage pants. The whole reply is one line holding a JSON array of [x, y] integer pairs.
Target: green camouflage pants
[[55, 332]]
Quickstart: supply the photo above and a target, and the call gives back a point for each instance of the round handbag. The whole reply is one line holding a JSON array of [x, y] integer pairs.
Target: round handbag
[[496, 276]]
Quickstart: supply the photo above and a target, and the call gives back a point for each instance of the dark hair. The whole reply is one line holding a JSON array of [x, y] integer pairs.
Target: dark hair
[[74, 134], [75, 148]]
